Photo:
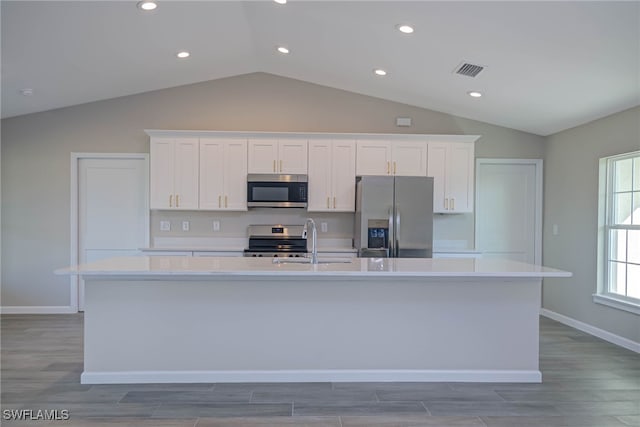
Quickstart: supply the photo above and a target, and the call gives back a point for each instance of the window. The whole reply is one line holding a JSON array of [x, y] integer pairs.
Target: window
[[619, 232]]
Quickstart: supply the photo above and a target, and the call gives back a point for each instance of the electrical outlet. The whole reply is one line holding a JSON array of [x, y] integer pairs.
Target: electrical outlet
[[165, 226], [555, 229], [216, 225], [323, 227], [185, 225]]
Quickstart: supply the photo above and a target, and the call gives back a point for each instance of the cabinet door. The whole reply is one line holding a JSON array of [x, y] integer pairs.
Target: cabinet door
[[212, 166], [292, 156], [373, 158], [436, 167], [343, 172], [187, 173], [161, 173], [409, 158], [319, 176], [460, 177], [263, 156], [235, 176]]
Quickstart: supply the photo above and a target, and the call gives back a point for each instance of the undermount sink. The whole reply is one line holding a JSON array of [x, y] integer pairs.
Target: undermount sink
[[308, 260]]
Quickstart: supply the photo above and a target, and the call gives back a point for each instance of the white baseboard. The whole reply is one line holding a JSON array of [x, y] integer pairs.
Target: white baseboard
[[36, 309], [139, 377], [592, 330]]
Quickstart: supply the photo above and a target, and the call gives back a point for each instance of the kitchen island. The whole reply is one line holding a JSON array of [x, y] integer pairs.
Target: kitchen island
[[192, 319]]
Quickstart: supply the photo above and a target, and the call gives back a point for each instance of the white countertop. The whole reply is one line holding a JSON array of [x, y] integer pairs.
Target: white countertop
[[167, 267]]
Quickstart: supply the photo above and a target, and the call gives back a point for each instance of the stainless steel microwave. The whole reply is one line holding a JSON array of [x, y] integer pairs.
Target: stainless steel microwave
[[277, 191]]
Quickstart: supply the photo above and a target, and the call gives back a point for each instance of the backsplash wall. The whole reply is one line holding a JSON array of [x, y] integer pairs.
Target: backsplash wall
[[448, 230]]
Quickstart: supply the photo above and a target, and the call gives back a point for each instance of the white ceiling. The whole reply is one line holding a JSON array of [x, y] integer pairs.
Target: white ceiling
[[549, 65]]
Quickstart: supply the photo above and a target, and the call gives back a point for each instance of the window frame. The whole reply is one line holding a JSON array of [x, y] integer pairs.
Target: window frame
[[606, 223]]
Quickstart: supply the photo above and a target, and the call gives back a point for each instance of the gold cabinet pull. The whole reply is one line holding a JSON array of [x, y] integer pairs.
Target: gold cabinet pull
[[177, 201], [274, 165], [225, 201], [334, 203], [280, 165], [394, 167], [170, 200], [388, 168], [453, 204], [446, 204], [328, 205], [219, 201]]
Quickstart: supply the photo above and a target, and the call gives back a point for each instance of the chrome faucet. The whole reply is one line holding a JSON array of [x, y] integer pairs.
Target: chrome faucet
[[314, 239]]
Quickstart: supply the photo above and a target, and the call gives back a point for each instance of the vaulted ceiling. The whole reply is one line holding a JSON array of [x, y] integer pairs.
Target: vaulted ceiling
[[548, 66]]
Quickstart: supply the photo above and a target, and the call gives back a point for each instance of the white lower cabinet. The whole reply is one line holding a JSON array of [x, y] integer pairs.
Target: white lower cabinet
[[332, 176]]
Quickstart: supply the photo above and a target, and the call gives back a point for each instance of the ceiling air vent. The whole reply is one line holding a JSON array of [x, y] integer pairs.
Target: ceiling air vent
[[469, 70]]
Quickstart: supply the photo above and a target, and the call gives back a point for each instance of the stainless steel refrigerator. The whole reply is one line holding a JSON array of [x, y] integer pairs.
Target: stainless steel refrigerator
[[394, 217]]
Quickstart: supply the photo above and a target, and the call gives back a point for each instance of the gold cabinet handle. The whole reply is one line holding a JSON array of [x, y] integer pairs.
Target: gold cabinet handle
[[177, 201], [219, 201], [388, 168], [225, 201], [334, 203], [280, 165], [453, 204], [446, 204], [394, 167], [274, 165], [328, 205], [170, 200]]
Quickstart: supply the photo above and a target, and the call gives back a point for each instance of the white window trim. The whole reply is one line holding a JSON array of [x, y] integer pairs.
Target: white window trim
[[602, 295]]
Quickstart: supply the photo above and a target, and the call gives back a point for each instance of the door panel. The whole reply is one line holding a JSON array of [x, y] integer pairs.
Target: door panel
[[112, 209], [506, 211], [414, 216], [211, 174], [409, 158], [319, 176]]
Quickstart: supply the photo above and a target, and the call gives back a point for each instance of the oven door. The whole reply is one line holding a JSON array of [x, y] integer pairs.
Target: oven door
[[276, 194]]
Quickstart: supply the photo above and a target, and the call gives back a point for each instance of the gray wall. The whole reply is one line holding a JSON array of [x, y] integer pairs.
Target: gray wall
[[36, 155], [571, 202]]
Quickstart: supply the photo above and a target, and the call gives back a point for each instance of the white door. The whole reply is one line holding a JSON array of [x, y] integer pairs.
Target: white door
[[211, 174], [113, 210], [320, 176], [263, 154], [343, 171], [509, 209], [235, 175]]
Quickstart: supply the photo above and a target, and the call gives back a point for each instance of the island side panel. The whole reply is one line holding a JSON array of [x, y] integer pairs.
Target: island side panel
[[312, 329]]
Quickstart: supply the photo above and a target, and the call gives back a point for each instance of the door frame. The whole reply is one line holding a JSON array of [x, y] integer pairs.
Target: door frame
[[538, 164], [74, 283]]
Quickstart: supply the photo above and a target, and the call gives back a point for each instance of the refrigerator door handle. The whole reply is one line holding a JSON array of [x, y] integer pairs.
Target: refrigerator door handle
[[392, 234], [396, 244]]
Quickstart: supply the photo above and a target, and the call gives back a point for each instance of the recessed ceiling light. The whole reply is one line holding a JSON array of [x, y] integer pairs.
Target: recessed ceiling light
[[404, 28], [379, 72], [27, 92], [147, 5], [280, 1], [283, 49], [474, 94], [183, 54]]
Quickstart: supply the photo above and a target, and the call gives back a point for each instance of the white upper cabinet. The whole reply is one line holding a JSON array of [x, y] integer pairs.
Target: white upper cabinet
[[400, 158], [332, 175], [223, 174], [451, 164], [373, 158], [174, 171], [287, 156]]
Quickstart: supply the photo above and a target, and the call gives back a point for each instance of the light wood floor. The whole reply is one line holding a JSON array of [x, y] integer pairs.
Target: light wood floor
[[586, 382]]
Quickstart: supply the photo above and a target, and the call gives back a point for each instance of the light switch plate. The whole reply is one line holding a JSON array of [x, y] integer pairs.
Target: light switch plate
[[165, 225], [323, 227], [216, 225], [185, 225]]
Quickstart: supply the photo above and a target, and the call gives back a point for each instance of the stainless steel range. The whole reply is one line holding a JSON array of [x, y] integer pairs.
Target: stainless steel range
[[276, 241]]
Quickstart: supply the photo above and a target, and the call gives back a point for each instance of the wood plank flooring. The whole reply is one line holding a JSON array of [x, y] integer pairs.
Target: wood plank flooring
[[586, 382]]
